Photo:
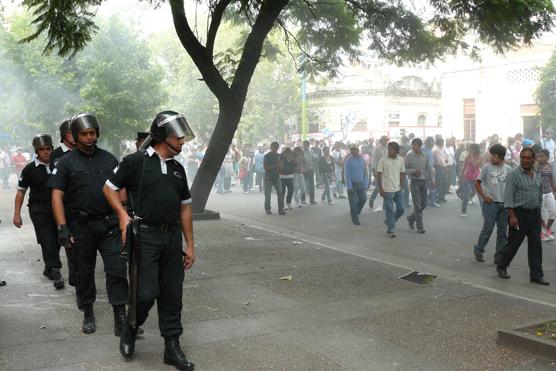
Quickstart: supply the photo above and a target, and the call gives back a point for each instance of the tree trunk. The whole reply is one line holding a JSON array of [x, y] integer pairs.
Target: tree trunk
[[229, 116]]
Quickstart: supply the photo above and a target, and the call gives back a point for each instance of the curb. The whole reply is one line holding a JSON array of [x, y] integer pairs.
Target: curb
[[207, 215], [535, 345]]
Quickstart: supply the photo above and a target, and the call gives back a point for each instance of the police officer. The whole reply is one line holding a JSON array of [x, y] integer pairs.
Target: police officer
[[67, 144], [88, 223], [35, 176], [141, 136], [157, 187]]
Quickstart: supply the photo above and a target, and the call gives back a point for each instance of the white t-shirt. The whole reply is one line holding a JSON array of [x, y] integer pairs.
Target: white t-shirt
[[391, 169]]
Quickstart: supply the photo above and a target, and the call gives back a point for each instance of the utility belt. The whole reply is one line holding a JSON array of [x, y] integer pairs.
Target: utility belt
[[40, 205], [163, 228], [82, 217]]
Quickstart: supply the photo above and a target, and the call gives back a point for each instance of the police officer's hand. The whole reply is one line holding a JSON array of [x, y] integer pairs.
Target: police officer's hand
[[65, 239], [17, 221], [124, 221], [188, 258]]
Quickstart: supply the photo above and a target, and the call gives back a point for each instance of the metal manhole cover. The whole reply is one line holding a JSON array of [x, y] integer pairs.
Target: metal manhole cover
[[420, 278]]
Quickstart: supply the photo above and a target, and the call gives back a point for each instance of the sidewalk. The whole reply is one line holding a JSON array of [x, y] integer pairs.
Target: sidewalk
[[338, 312]]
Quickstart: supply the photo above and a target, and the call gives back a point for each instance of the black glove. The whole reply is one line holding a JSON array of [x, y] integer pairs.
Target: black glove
[[65, 237]]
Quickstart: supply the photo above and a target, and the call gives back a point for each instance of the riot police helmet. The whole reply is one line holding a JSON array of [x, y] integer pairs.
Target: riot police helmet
[[41, 140], [170, 123], [83, 121], [64, 128]]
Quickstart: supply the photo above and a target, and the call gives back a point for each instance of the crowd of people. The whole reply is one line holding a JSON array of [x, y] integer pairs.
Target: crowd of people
[[413, 174]]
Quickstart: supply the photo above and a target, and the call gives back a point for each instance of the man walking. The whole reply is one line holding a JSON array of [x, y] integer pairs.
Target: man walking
[[86, 222], [391, 171], [272, 167], [159, 192], [419, 169], [379, 152], [490, 186], [523, 199], [338, 156], [66, 145], [441, 170], [35, 176], [309, 171], [356, 182]]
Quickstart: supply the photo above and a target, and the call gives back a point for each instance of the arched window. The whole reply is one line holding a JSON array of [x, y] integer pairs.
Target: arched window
[[422, 119]]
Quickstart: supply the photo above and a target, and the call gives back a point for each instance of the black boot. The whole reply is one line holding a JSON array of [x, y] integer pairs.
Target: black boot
[[56, 276], [173, 355], [127, 341], [89, 325], [120, 319]]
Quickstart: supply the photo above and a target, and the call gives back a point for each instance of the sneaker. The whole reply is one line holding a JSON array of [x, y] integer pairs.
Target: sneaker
[[331, 203], [463, 215], [342, 197], [282, 212], [471, 202], [289, 206], [479, 257], [313, 202], [411, 225], [421, 231], [544, 237], [391, 234], [356, 222], [378, 209], [335, 195], [434, 204], [268, 212]]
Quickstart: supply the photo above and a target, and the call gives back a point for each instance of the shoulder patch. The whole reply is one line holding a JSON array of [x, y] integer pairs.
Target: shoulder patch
[[54, 171]]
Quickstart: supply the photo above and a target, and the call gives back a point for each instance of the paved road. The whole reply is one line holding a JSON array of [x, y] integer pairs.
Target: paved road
[[446, 249], [343, 308]]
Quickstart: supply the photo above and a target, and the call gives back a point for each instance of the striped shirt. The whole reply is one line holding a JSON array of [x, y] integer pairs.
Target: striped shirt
[[523, 190], [414, 162]]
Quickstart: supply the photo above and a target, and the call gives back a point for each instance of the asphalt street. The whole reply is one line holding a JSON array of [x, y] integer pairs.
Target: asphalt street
[[304, 291], [446, 249]]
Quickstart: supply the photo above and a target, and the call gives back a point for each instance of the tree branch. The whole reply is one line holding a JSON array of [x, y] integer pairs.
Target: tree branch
[[268, 13], [198, 52], [217, 15]]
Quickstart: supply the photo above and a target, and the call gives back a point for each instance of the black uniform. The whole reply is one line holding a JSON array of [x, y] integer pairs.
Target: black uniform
[[92, 222], [57, 154], [70, 253], [162, 188], [35, 176]]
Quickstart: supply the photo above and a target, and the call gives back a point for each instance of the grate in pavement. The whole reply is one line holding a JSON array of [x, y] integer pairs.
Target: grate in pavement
[[420, 278]]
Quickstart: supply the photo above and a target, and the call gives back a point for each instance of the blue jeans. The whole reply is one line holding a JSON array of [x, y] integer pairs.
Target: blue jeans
[[493, 213], [468, 186], [357, 198], [393, 208]]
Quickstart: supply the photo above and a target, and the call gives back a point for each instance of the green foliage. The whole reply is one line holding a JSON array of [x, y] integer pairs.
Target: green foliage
[[119, 81], [114, 78], [546, 94], [33, 89]]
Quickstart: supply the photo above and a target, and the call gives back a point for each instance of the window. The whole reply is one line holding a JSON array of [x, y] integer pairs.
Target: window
[[393, 119], [422, 119], [469, 119]]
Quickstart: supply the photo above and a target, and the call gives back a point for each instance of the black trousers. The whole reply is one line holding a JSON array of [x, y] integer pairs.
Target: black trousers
[[102, 235], [161, 275], [287, 184], [47, 236], [310, 184], [529, 222]]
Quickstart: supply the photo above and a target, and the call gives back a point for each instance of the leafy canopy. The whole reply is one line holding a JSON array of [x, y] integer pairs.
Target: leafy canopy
[[326, 32]]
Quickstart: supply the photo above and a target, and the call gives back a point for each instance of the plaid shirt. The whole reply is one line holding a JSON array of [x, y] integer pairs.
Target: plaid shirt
[[523, 190]]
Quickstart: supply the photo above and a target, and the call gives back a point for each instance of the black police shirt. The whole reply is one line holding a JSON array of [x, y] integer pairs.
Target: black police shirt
[[163, 186], [35, 176], [81, 177], [57, 154]]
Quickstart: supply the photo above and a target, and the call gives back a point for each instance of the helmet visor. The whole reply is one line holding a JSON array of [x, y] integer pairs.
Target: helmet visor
[[177, 126]]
